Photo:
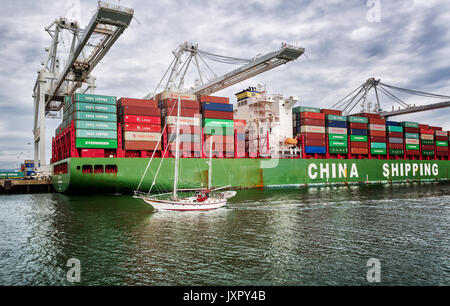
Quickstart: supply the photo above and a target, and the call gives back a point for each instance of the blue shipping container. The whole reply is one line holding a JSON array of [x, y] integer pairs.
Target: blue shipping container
[[393, 123], [337, 124], [221, 107], [320, 150], [358, 132], [29, 165], [29, 173]]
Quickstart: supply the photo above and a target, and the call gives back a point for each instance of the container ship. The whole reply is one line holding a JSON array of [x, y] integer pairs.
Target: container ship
[[104, 144]]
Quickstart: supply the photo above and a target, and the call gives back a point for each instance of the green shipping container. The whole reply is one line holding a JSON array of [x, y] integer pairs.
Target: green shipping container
[[337, 137], [301, 109], [378, 151], [9, 174], [427, 142], [442, 143], [93, 116], [358, 138], [392, 128], [357, 119], [95, 125], [378, 145], [333, 143], [410, 124], [396, 152], [79, 97], [428, 153], [336, 118], [96, 143], [229, 124], [337, 150], [412, 147], [92, 107], [412, 135], [80, 133]]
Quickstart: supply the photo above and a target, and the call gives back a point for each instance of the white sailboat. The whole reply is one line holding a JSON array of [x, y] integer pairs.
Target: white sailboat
[[204, 199]]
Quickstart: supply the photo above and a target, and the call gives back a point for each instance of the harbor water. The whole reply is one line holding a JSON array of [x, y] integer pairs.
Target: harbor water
[[316, 236]]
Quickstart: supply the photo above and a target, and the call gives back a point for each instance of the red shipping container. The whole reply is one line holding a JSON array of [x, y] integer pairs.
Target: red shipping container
[[395, 145], [218, 115], [395, 134], [428, 147], [184, 112], [377, 139], [360, 126], [133, 127], [442, 153], [424, 126], [377, 133], [141, 145], [140, 110], [411, 130], [377, 121], [214, 99], [92, 152], [412, 152], [137, 102], [436, 128], [439, 148], [169, 103], [359, 144], [309, 115], [314, 122], [140, 119], [426, 131], [315, 142], [317, 136], [331, 112], [441, 138], [219, 138], [359, 151]]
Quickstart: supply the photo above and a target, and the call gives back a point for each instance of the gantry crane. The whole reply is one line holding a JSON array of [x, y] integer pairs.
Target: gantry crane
[[250, 68], [359, 97], [88, 47]]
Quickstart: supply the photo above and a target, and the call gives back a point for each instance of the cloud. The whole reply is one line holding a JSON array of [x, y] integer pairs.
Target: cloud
[[409, 48]]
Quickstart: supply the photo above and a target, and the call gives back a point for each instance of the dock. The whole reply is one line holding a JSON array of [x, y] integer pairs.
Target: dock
[[20, 186]]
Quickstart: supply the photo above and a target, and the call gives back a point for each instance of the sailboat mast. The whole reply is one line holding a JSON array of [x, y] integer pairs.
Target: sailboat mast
[[210, 164], [177, 149]]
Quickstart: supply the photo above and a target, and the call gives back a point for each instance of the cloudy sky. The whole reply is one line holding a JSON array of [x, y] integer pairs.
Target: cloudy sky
[[409, 47]]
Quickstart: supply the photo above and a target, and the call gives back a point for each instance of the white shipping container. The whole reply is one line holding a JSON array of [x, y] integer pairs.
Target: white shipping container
[[141, 136], [195, 121], [335, 130], [174, 95], [427, 136], [411, 141], [441, 133], [377, 127], [313, 129]]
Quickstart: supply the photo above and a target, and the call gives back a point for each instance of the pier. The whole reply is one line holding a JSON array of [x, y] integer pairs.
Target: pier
[[20, 186]]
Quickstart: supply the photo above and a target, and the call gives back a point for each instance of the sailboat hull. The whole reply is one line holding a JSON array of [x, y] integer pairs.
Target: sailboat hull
[[185, 205]]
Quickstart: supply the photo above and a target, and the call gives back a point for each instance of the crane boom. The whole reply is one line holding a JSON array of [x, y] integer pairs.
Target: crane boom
[[416, 109], [257, 66]]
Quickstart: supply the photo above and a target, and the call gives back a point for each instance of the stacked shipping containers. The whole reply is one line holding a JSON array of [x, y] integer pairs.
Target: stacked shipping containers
[[141, 124], [310, 124], [190, 125], [426, 140], [337, 133], [95, 121], [218, 127], [395, 138], [239, 137], [411, 134], [441, 143], [377, 134], [358, 133]]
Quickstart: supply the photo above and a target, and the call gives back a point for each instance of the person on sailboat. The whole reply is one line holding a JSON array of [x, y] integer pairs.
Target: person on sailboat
[[203, 195]]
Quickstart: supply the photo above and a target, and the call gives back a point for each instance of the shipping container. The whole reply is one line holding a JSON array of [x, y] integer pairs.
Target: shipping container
[[333, 130], [141, 136], [214, 99], [91, 116], [79, 97], [359, 132], [92, 107], [217, 115], [142, 145], [140, 111], [318, 150], [96, 143], [360, 126], [95, 125], [135, 127], [311, 115], [136, 102], [217, 107], [337, 124], [359, 150], [338, 150], [103, 134], [313, 129], [140, 119], [331, 112], [412, 135], [184, 112], [301, 109], [173, 104], [355, 119]]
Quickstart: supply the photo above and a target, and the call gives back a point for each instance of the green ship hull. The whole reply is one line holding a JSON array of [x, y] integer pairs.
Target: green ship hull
[[239, 173]]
